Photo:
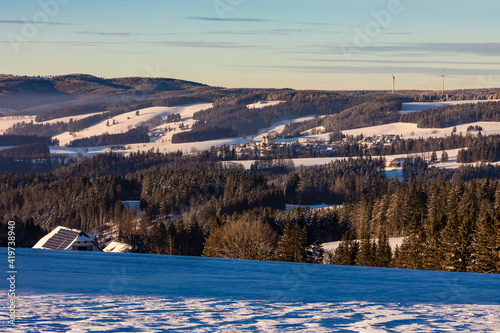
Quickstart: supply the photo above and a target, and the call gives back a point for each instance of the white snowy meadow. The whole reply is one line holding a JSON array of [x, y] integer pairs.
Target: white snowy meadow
[[67, 291]]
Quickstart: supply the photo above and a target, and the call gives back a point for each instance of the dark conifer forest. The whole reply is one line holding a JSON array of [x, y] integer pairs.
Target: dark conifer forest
[[207, 204], [193, 205]]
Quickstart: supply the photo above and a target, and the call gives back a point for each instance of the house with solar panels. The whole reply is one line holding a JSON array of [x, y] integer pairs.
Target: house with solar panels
[[62, 238]]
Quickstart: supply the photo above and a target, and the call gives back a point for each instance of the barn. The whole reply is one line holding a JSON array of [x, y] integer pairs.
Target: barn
[[62, 238]]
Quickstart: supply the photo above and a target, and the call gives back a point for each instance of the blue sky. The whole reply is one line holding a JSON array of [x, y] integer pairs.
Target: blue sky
[[314, 44]]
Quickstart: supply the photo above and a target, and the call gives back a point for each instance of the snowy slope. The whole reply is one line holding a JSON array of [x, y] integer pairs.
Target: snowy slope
[[66, 291], [126, 121], [279, 127], [67, 119], [263, 104], [393, 242], [8, 122], [411, 131]]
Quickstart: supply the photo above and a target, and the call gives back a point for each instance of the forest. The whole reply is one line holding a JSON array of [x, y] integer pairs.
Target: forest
[[136, 135], [204, 134], [194, 205], [200, 205]]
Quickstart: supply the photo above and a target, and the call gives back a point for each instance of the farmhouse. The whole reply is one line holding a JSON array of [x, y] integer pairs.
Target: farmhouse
[[62, 238], [397, 162]]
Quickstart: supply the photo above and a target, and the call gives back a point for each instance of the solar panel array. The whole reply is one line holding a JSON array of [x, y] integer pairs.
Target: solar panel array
[[61, 240]]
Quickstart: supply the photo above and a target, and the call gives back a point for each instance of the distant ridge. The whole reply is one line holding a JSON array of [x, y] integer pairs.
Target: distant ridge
[[25, 94]]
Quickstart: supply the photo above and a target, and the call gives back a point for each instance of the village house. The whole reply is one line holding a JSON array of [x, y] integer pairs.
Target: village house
[[62, 238]]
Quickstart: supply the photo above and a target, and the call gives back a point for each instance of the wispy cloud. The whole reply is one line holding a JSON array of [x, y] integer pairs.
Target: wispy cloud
[[281, 32], [198, 44], [241, 19], [122, 34], [400, 61], [35, 22], [316, 23], [399, 33], [373, 70], [400, 50], [194, 44]]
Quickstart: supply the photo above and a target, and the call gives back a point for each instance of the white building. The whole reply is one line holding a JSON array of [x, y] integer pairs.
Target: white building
[[62, 238]]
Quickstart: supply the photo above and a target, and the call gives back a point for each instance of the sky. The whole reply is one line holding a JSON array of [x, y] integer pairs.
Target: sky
[[313, 44]]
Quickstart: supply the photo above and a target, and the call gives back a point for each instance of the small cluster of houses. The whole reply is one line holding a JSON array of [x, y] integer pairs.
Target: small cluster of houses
[[268, 144], [299, 147], [378, 141]]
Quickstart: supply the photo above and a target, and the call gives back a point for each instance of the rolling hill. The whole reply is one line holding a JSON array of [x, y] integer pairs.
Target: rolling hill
[[22, 95]]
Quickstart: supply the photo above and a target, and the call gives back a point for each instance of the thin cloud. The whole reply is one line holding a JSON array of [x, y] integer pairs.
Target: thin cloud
[[401, 62], [34, 22], [399, 33], [481, 49], [402, 50], [121, 34], [281, 32], [197, 44], [376, 70], [316, 23], [218, 19]]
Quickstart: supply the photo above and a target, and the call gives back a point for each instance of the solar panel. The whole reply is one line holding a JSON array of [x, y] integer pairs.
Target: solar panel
[[61, 240]]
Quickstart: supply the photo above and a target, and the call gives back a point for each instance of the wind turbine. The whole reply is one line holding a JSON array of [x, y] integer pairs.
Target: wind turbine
[[393, 84], [443, 80]]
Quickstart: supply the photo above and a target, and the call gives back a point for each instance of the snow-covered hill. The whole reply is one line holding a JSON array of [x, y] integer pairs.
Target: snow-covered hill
[[67, 291], [127, 121]]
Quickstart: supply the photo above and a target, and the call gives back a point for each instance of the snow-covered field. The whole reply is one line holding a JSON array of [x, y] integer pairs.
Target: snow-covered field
[[279, 127], [8, 122], [322, 206], [68, 119], [127, 121], [393, 242], [411, 131], [309, 162], [68, 291], [263, 104]]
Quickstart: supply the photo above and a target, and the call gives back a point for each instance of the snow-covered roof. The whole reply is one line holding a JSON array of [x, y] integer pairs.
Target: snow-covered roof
[[61, 238], [117, 247], [84, 238]]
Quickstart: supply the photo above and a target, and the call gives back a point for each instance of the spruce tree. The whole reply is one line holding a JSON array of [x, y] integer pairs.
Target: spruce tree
[[292, 246], [367, 250], [486, 245], [383, 254], [410, 252], [213, 241], [347, 251]]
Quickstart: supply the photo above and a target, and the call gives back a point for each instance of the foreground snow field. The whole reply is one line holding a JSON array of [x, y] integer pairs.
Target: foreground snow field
[[66, 291]]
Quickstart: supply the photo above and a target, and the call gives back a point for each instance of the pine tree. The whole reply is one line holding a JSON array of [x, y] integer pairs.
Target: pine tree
[[214, 239], [315, 253], [444, 157], [367, 252], [383, 254], [347, 251], [456, 241], [410, 252], [486, 245], [434, 157], [292, 246]]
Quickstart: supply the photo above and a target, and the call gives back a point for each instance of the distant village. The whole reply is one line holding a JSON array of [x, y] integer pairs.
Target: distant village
[[312, 147]]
